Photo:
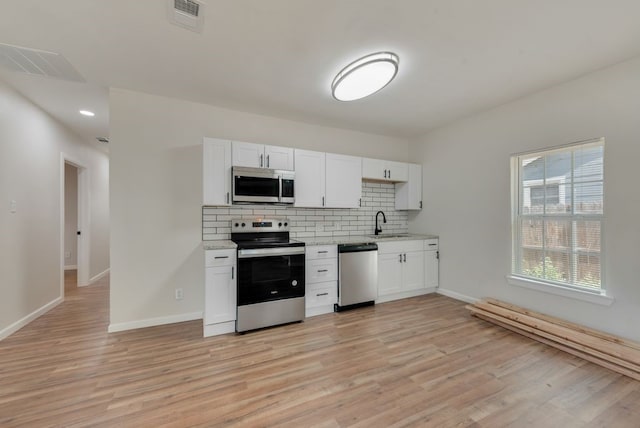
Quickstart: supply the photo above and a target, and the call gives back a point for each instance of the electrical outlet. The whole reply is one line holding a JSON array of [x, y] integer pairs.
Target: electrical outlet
[[67, 254], [179, 294]]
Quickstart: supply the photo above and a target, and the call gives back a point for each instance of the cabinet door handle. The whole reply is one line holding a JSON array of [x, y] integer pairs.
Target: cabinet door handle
[[322, 294], [400, 258], [420, 204], [323, 252], [233, 272], [385, 173], [405, 257], [437, 255], [360, 201], [389, 174], [221, 257], [267, 161], [261, 157], [227, 197], [323, 270], [323, 201]]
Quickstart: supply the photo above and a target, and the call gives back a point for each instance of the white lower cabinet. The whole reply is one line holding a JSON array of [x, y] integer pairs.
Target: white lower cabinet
[[431, 263], [220, 292], [400, 270], [321, 279]]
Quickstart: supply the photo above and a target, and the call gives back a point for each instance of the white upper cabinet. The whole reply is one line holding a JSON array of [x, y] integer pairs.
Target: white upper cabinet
[[310, 179], [216, 172], [383, 170], [409, 194], [276, 157], [343, 181], [327, 180], [261, 156]]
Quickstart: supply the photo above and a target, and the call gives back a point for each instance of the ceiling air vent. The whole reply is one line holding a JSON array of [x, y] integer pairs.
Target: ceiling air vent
[[37, 62], [186, 14]]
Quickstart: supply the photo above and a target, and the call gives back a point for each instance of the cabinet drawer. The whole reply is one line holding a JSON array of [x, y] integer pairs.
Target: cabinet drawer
[[431, 244], [400, 247], [321, 270], [324, 293], [321, 252], [213, 258]]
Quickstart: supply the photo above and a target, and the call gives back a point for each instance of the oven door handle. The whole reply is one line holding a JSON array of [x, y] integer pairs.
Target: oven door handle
[[266, 252]]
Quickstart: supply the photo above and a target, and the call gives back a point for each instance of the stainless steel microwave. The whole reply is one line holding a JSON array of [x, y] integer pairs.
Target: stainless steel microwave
[[262, 185]]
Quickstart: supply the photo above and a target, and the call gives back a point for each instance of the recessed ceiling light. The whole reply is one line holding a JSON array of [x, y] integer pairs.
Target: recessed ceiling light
[[87, 113], [365, 76]]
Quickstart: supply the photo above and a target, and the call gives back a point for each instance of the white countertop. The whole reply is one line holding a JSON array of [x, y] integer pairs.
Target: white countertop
[[219, 245], [327, 240], [351, 239]]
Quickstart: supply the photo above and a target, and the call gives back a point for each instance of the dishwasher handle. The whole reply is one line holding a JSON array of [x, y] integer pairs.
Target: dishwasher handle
[[356, 248]]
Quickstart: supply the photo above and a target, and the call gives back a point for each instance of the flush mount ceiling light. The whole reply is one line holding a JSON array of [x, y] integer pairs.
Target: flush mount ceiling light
[[365, 76], [87, 113]]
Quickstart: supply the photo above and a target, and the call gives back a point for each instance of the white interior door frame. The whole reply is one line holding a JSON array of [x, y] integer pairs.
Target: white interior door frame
[[84, 220]]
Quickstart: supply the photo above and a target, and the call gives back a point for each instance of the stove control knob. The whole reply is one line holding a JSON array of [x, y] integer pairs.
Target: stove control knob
[[286, 224], [244, 224], [237, 224], [279, 224]]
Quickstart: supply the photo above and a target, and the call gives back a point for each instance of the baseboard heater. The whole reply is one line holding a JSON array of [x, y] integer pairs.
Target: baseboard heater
[[606, 350]]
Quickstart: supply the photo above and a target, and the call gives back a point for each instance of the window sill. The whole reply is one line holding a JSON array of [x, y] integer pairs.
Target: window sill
[[545, 287]]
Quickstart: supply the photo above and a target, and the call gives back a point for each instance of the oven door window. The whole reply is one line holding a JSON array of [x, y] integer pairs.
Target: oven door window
[[256, 186], [262, 279]]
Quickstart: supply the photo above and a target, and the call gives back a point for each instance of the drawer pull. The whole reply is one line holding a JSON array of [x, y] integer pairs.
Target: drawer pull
[[322, 294], [432, 245], [221, 257], [323, 252], [323, 270]]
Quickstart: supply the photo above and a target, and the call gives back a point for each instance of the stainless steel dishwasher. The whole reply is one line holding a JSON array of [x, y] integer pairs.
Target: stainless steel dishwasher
[[357, 275]]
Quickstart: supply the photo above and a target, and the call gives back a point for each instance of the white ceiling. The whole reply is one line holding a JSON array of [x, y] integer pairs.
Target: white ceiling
[[278, 57]]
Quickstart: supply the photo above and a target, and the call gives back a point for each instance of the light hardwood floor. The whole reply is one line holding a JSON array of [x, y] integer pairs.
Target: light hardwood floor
[[417, 362]]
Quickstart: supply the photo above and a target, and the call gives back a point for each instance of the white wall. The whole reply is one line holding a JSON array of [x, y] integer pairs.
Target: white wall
[[156, 194], [466, 191], [70, 215], [30, 173]]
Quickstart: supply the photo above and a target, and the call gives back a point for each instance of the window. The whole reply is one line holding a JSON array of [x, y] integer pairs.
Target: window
[[557, 206]]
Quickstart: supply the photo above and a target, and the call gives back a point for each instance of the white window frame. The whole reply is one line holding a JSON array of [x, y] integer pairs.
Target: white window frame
[[590, 294]]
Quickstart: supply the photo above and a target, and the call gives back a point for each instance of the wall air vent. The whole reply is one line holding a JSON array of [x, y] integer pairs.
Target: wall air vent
[[103, 140], [38, 63], [186, 14], [187, 6]]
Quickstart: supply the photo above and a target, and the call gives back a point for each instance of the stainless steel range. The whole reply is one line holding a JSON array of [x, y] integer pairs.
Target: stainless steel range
[[271, 273]]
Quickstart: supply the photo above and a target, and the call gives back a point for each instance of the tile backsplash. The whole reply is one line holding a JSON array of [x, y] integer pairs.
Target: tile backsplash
[[311, 222]]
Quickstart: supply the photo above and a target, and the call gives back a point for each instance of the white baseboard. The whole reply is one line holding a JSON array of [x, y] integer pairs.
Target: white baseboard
[[457, 296], [71, 267], [99, 276], [152, 322], [218, 329], [318, 310], [26, 320], [405, 295]]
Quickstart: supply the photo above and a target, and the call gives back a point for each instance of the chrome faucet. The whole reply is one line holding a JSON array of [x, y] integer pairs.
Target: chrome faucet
[[384, 220]]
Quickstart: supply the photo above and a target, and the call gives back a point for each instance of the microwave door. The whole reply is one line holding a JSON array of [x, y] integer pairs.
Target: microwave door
[[256, 189]]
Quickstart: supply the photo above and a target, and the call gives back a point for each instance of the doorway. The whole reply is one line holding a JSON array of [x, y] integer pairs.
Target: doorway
[[70, 226], [74, 223]]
